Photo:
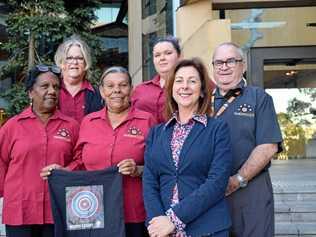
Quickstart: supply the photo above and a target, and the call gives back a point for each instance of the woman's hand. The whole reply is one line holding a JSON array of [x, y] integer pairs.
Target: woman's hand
[[46, 171], [128, 167], [160, 226]]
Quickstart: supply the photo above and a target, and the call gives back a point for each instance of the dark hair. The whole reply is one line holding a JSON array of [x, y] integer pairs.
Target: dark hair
[[172, 40], [37, 70], [171, 105], [116, 69]]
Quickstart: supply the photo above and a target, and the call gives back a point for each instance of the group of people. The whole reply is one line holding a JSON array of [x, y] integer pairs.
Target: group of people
[[194, 157]]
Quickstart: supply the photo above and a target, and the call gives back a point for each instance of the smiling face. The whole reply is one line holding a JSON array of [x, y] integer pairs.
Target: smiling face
[[116, 90], [165, 57], [44, 93], [73, 67], [228, 77], [186, 89]]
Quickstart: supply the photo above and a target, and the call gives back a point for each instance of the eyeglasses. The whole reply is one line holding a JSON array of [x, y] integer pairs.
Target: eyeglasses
[[71, 59], [231, 62], [46, 68]]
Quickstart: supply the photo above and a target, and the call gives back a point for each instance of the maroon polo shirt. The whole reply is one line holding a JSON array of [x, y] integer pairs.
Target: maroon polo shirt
[[150, 97], [27, 146], [74, 106], [101, 146]]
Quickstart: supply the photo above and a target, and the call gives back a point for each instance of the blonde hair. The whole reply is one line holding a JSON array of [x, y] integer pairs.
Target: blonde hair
[[74, 40]]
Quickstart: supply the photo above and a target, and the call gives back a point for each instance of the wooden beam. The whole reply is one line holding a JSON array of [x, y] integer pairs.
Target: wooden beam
[[135, 53], [245, 4]]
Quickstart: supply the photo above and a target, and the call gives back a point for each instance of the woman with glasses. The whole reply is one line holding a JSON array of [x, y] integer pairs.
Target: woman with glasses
[[115, 136], [188, 161], [77, 96], [38, 137], [150, 96]]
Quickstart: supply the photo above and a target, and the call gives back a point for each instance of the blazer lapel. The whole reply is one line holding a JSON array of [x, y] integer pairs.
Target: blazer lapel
[[166, 144], [193, 135]]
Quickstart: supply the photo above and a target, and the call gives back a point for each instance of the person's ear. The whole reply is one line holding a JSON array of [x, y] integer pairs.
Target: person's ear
[[244, 69], [101, 92]]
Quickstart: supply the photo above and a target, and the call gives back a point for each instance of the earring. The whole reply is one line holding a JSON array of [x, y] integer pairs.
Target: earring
[[31, 102], [202, 95]]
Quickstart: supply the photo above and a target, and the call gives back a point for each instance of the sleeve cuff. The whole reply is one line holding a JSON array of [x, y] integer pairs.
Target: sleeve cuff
[[175, 220]]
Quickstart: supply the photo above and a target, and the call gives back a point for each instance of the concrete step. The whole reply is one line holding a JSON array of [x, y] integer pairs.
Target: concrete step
[[2, 228], [294, 186], [303, 197], [296, 235], [295, 206], [295, 228], [295, 217]]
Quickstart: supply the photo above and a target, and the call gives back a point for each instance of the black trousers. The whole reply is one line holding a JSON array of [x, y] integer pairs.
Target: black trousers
[[136, 230], [46, 230], [252, 209]]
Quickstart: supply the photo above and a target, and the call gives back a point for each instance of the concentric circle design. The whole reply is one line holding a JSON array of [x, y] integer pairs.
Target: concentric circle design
[[84, 204]]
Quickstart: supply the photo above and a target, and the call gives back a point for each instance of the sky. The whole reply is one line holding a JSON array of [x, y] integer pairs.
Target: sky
[[281, 97]]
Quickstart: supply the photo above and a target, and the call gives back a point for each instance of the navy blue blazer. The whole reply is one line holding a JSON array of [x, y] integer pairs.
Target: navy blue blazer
[[204, 168]]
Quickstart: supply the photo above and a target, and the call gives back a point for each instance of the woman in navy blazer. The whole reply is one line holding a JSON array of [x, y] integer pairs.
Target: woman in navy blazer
[[188, 161]]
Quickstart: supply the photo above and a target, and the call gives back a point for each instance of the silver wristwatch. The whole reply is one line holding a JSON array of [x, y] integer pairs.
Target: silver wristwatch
[[242, 181]]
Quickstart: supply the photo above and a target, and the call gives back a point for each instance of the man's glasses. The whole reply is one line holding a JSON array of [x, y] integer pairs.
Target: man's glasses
[[231, 62], [46, 68], [71, 59]]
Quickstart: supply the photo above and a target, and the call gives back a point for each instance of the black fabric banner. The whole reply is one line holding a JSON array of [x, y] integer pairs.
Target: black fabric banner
[[87, 203]]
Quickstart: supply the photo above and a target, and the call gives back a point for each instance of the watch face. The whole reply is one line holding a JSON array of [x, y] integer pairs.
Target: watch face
[[242, 181], [243, 184]]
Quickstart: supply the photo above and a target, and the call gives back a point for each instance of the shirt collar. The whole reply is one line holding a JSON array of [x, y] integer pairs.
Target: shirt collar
[[200, 118], [84, 86], [155, 81], [239, 88], [132, 113], [28, 113]]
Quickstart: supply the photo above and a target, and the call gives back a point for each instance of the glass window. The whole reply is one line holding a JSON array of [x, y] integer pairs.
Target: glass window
[[293, 88], [157, 18]]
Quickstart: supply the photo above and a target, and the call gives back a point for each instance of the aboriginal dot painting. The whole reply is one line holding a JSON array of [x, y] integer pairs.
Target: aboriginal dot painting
[[84, 207]]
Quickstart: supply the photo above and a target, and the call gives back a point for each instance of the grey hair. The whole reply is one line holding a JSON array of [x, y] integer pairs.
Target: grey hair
[[116, 69], [74, 40], [236, 46]]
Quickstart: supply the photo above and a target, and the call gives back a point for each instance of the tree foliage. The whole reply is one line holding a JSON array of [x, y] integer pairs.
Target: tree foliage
[[301, 111], [47, 23], [294, 137], [298, 124]]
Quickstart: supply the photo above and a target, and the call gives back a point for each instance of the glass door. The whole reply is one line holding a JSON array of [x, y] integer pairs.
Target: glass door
[[292, 84]]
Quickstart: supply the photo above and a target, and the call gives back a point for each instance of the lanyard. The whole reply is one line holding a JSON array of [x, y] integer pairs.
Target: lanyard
[[224, 106]]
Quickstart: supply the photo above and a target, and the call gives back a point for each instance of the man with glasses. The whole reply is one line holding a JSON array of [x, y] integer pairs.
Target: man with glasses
[[256, 137]]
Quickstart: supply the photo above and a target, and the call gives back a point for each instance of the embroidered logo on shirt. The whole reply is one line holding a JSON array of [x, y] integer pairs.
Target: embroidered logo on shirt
[[134, 132], [245, 110], [63, 134]]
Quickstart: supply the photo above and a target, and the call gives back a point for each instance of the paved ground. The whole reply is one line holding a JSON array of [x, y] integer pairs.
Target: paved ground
[[293, 174], [285, 175]]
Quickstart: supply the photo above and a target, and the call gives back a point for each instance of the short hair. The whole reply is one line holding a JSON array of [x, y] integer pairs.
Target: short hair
[[170, 39], [171, 105], [36, 71], [236, 46], [62, 50], [116, 69]]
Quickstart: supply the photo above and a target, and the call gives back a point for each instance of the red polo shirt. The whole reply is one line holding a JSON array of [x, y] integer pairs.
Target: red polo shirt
[[26, 146], [150, 97], [74, 106], [101, 147]]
